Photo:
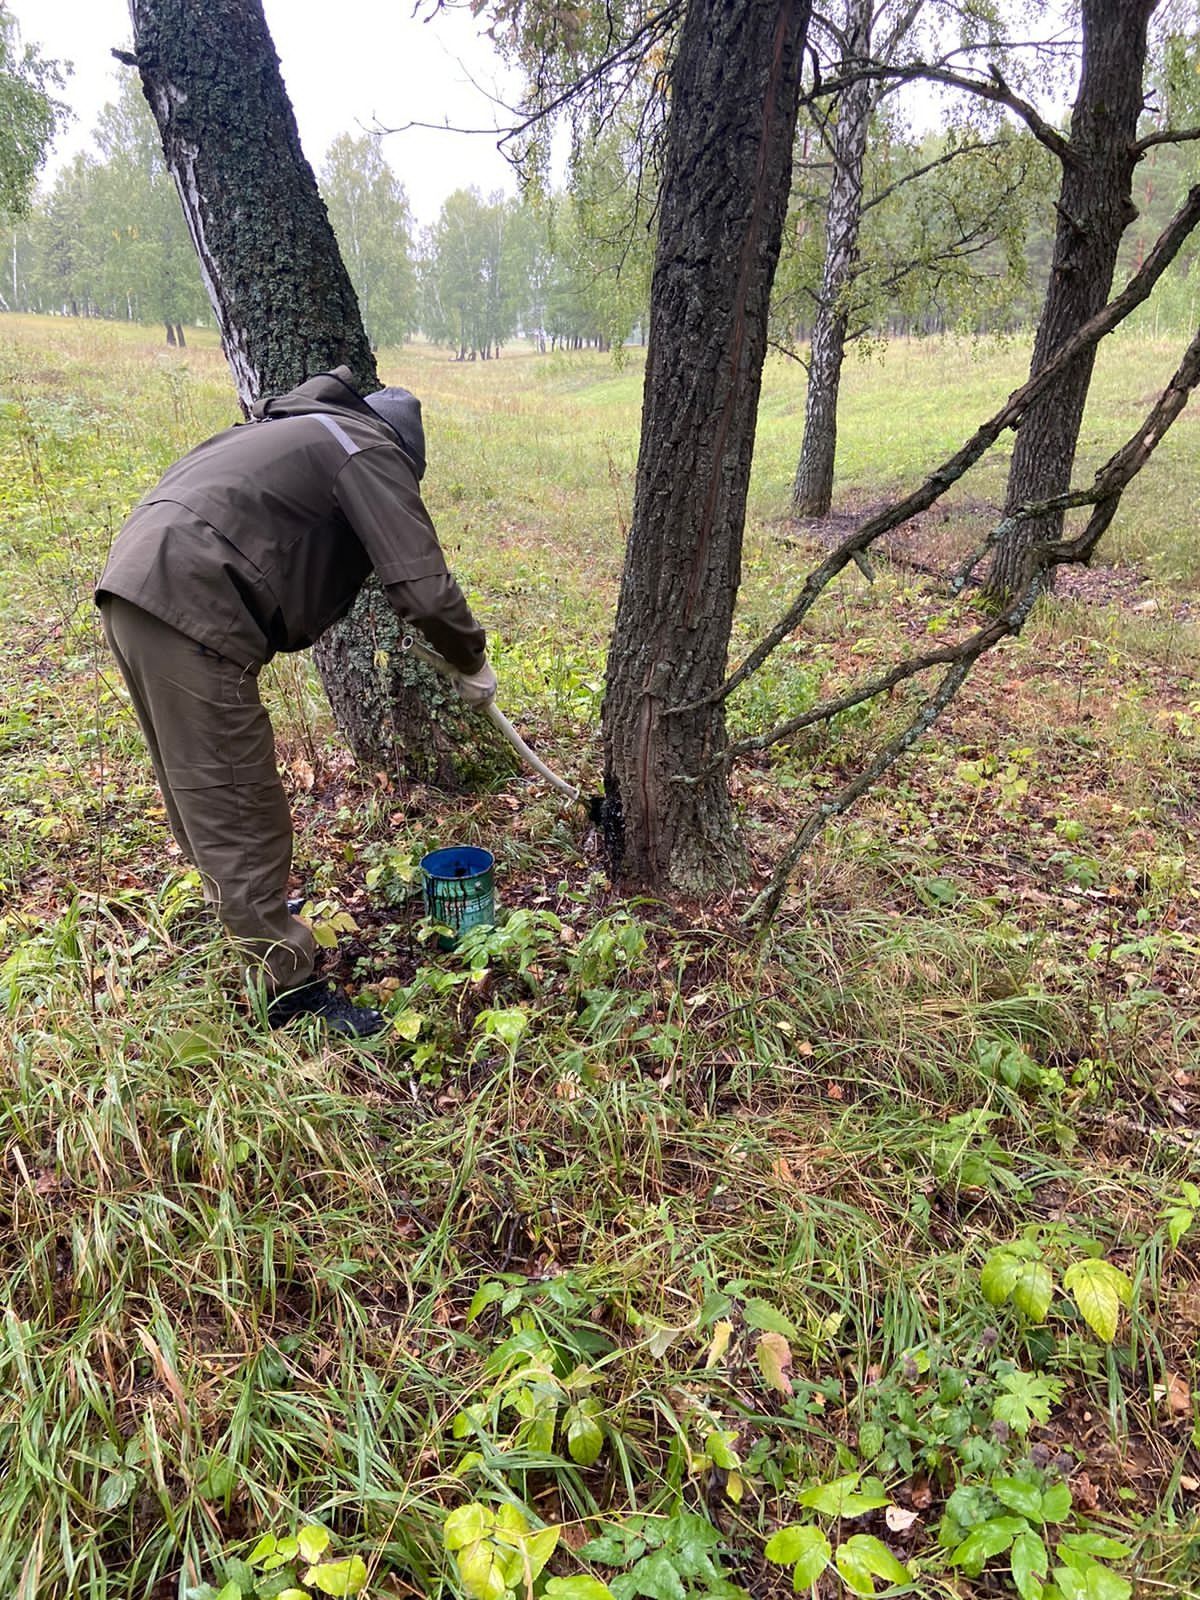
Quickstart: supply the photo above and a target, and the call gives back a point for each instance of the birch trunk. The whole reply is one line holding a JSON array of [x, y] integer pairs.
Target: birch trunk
[[812, 489]]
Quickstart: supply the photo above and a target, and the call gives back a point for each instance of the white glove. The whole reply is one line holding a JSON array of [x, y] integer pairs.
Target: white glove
[[477, 688]]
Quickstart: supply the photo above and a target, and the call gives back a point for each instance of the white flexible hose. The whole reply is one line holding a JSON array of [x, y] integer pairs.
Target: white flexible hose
[[494, 715]]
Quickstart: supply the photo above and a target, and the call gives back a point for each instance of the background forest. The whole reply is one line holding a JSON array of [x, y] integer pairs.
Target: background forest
[[950, 243]]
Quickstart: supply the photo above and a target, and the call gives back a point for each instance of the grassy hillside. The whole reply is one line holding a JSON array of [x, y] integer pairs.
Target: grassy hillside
[[632, 1216]]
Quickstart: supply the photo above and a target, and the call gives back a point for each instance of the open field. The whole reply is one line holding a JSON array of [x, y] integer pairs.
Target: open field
[[633, 1213]]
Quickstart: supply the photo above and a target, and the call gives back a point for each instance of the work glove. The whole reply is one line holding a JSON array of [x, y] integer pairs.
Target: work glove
[[477, 688]]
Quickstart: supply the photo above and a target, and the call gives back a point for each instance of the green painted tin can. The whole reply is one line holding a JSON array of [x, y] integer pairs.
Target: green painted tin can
[[458, 886]]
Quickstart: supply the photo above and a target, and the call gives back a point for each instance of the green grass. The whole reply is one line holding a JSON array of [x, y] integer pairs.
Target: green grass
[[242, 1270]]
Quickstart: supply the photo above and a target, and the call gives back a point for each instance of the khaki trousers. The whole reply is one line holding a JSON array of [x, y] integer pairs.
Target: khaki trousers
[[214, 756]]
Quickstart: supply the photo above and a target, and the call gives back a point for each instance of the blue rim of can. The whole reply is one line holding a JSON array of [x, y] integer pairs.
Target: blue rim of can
[[458, 863]]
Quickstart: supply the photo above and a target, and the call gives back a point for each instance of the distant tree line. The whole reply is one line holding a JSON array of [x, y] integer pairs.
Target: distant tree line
[[107, 238], [955, 234]]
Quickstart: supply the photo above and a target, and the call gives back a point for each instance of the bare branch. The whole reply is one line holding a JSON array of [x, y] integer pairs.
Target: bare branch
[[930, 166], [631, 49], [783, 350], [975, 644], [1166, 136], [1104, 496], [767, 903], [993, 88]]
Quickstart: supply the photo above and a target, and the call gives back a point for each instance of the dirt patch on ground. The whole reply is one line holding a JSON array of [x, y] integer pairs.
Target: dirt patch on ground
[[936, 543]]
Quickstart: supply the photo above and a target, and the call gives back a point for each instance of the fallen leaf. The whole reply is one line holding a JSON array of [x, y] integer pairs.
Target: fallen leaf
[[781, 1169], [722, 1333], [920, 1494], [774, 1357], [834, 1091], [899, 1520], [1084, 1495], [1174, 1397]]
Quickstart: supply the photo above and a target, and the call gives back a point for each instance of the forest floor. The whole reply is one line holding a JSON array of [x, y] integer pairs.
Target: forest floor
[[934, 545], [666, 1231]]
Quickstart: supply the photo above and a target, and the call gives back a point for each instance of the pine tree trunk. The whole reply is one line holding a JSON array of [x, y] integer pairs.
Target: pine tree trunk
[[812, 490], [282, 297], [1095, 207], [734, 93]]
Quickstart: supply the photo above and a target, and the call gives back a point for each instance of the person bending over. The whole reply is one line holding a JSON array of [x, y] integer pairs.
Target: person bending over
[[255, 542]]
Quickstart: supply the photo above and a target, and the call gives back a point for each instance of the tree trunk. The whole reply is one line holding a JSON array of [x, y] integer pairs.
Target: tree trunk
[[282, 297], [179, 339], [427, 736], [812, 490], [170, 327], [1095, 207], [735, 87]]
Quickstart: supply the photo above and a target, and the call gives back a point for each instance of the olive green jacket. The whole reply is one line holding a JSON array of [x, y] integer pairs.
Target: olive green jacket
[[260, 539]]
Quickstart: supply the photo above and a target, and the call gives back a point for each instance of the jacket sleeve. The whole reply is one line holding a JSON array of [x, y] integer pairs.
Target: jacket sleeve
[[377, 492], [436, 605]]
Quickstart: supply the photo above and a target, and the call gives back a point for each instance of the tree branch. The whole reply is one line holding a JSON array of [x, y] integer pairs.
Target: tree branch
[[930, 166], [638, 43], [766, 905], [783, 350], [1167, 136], [993, 88]]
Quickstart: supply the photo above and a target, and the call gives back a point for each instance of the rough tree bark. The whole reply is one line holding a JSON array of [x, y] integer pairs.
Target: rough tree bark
[[286, 309], [1095, 206], [812, 489], [735, 88]]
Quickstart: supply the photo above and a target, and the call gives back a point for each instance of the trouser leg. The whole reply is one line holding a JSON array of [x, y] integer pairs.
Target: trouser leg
[[213, 752], [141, 710]]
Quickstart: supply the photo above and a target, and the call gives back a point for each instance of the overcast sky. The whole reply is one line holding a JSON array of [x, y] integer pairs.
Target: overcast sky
[[345, 63]]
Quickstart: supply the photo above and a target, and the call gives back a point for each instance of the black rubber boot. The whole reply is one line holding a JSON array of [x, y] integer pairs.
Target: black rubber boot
[[334, 1007]]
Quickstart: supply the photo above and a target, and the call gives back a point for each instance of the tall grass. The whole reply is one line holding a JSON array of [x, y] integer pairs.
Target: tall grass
[[239, 1268]]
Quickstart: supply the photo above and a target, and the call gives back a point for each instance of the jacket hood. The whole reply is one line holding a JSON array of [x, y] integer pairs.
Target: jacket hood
[[335, 392], [401, 410]]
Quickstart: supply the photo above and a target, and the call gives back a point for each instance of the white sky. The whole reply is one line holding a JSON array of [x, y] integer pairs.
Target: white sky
[[346, 63]]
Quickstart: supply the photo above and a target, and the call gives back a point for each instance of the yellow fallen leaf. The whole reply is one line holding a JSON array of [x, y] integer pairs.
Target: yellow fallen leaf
[[722, 1333], [774, 1357]]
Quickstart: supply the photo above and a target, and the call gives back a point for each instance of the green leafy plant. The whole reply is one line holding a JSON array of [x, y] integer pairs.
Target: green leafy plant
[[1021, 1517], [859, 1560], [935, 1415], [496, 1552], [1179, 1213], [548, 1402], [393, 875], [964, 1154], [612, 945], [327, 919], [1010, 1063], [1018, 1271], [288, 1567], [663, 1558]]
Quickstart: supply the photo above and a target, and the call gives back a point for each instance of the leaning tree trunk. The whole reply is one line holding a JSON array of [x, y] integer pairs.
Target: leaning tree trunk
[[286, 309], [812, 490], [1095, 207], [735, 87]]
